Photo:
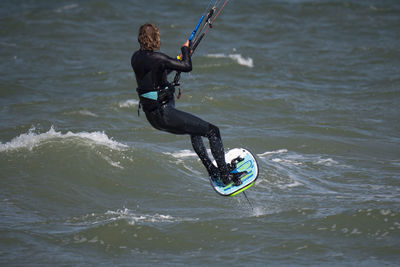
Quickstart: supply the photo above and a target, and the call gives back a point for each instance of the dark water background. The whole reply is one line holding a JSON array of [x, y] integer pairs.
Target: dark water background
[[311, 87]]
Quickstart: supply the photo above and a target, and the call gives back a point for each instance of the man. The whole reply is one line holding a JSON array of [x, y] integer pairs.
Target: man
[[156, 96]]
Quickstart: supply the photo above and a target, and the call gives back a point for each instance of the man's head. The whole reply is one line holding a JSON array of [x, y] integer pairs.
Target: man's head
[[149, 37]]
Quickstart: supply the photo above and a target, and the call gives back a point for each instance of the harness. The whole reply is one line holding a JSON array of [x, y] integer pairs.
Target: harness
[[152, 100]]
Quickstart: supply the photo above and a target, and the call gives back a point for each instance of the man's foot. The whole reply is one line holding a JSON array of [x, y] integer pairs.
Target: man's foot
[[226, 180], [236, 160], [231, 166], [234, 178]]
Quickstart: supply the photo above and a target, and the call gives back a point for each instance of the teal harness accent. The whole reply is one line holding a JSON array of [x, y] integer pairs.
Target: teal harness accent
[[153, 95]]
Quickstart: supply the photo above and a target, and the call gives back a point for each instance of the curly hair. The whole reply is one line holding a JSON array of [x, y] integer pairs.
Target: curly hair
[[149, 37]]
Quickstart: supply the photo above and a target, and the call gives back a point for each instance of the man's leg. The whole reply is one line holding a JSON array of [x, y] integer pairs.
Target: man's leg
[[175, 121], [201, 151]]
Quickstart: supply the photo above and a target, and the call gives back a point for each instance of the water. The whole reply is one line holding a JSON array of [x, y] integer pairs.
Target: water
[[311, 87]]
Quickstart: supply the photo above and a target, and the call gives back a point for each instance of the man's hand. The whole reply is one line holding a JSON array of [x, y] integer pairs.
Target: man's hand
[[186, 43]]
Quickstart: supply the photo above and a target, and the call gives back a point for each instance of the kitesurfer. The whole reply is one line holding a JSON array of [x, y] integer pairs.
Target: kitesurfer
[[156, 95]]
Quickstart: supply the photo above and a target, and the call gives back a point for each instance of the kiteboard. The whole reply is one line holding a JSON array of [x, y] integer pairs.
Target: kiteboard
[[246, 164]]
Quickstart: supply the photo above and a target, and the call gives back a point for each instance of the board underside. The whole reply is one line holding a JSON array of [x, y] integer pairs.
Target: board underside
[[248, 164]]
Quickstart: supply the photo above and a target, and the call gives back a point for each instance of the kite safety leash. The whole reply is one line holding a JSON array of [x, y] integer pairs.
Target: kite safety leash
[[210, 14]]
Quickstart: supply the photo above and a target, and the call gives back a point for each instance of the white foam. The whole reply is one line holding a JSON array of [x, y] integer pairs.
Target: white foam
[[128, 103], [137, 218], [116, 164], [260, 211], [327, 162], [395, 163], [66, 7], [87, 113], [182, 154], [83, 112], [294, 184], [31, 139], [297, 159], [287, 161], [280, 151], [248, 62]]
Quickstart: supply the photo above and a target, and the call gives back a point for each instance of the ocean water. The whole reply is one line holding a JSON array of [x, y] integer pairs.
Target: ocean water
[[312, 88]]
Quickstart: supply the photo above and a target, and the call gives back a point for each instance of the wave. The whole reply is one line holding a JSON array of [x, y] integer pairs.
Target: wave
[[283, 156], [289, 170], [125, 230], [248, 62], [373, 223], [180, 158], [128, 103], [31, 139]]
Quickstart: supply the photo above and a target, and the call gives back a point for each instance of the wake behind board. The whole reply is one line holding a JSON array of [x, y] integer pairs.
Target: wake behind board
[[248, 163]]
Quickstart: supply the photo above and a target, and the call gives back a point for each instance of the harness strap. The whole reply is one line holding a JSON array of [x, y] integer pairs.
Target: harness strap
[[154, 99]]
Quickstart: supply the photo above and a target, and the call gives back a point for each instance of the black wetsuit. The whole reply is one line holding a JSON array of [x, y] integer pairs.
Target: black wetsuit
[[151, 70]]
